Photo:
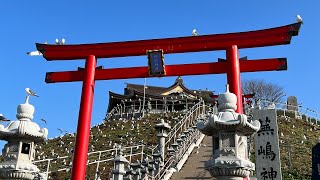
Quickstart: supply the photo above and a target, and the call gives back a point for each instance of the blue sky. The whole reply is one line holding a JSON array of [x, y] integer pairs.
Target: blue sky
[[26, 22]]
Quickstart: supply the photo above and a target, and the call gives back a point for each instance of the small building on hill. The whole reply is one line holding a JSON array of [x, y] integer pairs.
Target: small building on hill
[[138, 99]]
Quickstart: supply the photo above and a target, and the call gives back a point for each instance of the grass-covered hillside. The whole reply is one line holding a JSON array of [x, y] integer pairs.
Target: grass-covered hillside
[[104, 136], [297, 137]]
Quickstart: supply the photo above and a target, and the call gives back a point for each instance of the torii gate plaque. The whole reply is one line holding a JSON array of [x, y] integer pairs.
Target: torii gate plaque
[[232, 66]]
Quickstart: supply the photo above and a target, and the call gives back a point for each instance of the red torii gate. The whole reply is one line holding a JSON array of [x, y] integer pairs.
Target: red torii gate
[[232, 66]]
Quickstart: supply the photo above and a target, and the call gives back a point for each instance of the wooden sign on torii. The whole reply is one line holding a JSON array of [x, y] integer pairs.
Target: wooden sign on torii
[[230, 42]]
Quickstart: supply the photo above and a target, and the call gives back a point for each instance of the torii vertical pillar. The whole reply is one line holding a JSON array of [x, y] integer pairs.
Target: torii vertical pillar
[[233, 75], [85, 113]]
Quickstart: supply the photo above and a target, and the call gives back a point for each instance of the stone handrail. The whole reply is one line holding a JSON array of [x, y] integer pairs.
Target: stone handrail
[[186, 144], [111, 113], [185, 123], [176, 160], [162, 172]]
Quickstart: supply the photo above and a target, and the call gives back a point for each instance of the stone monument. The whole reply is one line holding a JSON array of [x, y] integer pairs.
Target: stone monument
[[229, 131], [267, 152], [21, 136], [292, 103]]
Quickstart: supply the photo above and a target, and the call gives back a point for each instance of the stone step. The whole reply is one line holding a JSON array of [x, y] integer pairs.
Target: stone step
[[194, 166]]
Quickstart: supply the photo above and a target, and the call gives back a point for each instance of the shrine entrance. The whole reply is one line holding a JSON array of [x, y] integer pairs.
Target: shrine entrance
[[155, 49]]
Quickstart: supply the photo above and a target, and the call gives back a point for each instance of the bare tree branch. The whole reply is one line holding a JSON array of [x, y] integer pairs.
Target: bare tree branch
[[263, 90]]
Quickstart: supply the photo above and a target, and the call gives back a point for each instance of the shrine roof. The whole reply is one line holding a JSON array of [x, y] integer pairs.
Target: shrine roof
[[149, 89], [132, 95], [163, 91]]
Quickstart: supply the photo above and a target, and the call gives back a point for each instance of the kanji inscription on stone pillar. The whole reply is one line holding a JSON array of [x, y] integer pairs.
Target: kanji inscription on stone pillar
[[267, 152]]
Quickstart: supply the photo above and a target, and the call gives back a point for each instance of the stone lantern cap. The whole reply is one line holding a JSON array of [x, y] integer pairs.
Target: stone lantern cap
[[156, 155], [120, 157], [214, 123], [23, 128], [163, 125], [136, 165], [240, 125], [227, 100], [227, 119]]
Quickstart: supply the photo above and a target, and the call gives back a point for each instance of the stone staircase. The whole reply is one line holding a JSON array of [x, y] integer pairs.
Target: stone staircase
[[194, 166]]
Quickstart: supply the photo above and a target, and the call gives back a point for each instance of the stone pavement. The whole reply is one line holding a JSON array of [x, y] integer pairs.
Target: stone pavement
[[194, 166]]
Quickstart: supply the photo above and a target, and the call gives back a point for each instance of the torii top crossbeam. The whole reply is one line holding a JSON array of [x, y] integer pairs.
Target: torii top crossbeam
[[251, 39], [230, 42]]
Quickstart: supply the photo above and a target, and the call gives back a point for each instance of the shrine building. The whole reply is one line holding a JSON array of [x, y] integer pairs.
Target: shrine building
[[135, 100]]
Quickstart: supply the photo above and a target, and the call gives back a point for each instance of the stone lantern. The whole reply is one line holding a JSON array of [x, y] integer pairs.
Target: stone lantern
[[162, 132], [229, 131], [21, 136], [119, 163]]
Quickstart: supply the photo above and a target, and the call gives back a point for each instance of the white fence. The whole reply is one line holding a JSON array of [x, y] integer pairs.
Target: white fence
[[96, 157], [307, 114]]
